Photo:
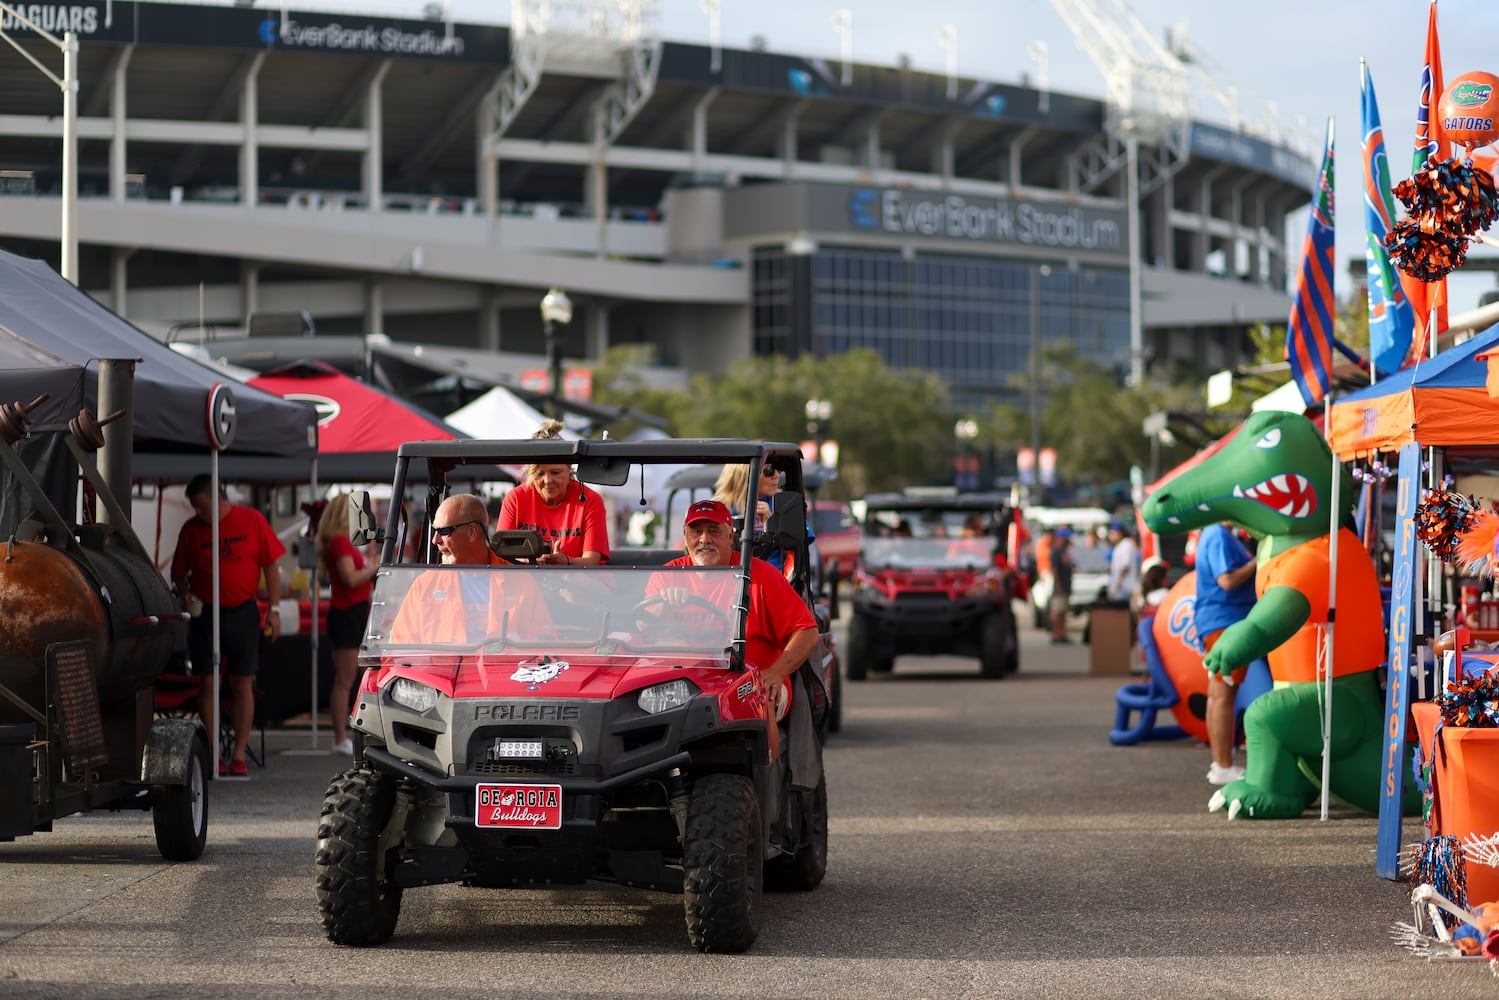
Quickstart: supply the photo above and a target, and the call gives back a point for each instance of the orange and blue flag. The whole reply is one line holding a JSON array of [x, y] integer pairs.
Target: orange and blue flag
[[1309, 335], [1428, 299], [1391, 319]]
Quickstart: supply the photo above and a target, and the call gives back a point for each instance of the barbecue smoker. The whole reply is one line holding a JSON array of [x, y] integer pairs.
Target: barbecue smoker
[[87, 625]]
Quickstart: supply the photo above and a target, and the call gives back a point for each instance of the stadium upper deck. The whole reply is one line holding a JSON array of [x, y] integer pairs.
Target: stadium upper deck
[[409, 177]]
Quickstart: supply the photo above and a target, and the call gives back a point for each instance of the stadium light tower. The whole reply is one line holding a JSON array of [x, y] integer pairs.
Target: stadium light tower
[[843, 23], [715, 33], [947, 37], [68, 84]]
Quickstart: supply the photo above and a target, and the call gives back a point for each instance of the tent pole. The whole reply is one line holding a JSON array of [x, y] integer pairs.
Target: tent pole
[[312, 584], [1328, 635]]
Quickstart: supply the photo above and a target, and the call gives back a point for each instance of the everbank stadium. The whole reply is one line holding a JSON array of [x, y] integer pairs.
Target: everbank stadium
[[428, 181]]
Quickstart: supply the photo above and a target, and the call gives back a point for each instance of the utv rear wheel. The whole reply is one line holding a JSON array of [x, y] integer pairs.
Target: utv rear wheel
[[860, 649], [805, 869], [723, 861], [180, 812], [357, 900], [994, 643]]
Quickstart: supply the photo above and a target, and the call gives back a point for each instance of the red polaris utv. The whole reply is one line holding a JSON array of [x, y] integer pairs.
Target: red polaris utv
[[933, 579], [577, 736]]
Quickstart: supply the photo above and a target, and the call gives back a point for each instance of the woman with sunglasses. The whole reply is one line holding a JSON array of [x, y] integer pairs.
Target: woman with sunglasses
[[730, 490], [568, 515]]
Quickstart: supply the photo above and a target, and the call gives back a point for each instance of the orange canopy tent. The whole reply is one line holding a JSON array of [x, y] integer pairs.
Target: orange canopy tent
[[1441, 402]]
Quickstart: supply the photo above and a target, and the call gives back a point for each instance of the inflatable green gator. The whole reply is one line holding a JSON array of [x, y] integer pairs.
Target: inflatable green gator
[[1274, 479]]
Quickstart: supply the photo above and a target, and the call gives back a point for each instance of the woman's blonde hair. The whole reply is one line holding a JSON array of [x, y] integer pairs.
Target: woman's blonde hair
[[548, 430], [333, 522], [732, 488]]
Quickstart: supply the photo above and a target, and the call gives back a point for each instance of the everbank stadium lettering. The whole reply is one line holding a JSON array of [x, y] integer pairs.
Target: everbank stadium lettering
[[369, 39], [56, 18], [958, 218]]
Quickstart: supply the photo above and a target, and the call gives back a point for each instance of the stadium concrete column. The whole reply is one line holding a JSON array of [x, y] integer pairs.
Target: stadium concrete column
[[118, 280], [374, 140], [1017, 148], [489, 319], [249, 289], [249, 150], [374, 306], [1136, 305], [596, 333], [117, 116], [700, 128]]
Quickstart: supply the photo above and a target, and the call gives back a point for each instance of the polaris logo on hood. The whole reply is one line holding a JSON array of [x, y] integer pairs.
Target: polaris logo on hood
[[526, 712]]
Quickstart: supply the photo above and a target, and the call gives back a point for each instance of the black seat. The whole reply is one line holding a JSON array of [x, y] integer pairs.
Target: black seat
[[643, 557]]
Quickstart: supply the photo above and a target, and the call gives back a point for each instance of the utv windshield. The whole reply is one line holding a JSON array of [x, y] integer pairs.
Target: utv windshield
[[683, 610], [927, 553]]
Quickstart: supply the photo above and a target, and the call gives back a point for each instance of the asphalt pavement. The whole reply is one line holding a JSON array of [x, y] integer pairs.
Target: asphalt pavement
[[985, 841]]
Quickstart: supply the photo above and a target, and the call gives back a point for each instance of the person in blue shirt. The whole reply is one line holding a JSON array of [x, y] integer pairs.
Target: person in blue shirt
[[730, 490], [1225, 593]]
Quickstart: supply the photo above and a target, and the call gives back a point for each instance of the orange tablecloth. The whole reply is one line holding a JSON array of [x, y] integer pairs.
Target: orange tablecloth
[[1465, 788]]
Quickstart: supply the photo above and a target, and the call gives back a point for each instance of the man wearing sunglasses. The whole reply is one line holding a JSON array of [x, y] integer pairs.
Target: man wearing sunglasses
[[444, 606]]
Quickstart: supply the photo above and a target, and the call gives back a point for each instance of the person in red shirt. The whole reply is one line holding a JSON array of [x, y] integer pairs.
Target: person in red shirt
[[349, 575], [780, 633], [247, 548], [568, 515], [457, 608]]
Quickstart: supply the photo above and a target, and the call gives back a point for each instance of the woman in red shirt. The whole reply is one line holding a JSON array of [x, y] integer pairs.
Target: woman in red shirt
[[350, 575], [569, 516]]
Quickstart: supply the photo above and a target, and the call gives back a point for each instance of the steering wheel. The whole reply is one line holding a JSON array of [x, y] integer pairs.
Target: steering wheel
[[693, 601]]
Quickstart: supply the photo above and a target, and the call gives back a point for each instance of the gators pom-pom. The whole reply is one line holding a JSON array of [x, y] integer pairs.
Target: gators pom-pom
[[1442, 519], [1446, 202]]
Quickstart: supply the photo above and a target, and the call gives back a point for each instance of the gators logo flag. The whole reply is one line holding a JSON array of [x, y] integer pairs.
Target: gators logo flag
[[1391, 319], [1429, 299], [1309, 335]]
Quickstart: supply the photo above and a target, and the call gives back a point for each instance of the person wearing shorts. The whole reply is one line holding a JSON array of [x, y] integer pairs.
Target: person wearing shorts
[[349, 575], [248, 548], [1061, 585], [1225, 593]]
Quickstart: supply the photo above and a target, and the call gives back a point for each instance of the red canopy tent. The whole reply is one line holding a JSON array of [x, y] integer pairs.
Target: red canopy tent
[[359, 427]]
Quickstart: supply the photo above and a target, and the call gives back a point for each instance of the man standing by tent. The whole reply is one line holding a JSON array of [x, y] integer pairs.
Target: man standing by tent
[[247, 546]]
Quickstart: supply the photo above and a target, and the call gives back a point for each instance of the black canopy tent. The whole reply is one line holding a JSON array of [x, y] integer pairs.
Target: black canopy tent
[[61, 333]]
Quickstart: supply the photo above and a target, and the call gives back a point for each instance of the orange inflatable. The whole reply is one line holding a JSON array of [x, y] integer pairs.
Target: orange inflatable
[[1175, 634]]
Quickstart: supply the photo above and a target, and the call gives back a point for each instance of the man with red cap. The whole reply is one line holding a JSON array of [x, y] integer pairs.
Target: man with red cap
[[781, 632]]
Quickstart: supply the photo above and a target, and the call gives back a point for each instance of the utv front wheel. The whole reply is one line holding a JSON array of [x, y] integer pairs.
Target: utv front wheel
[[180, 812], [724, 860], [860, 649], [994, 641], [357, 900]]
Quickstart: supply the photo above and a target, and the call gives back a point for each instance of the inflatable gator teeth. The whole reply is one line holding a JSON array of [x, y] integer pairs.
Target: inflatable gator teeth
[[1274, 479]]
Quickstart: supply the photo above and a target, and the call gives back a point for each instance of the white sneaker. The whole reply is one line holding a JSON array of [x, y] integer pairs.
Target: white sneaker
[[344, 746], [1223, 775]]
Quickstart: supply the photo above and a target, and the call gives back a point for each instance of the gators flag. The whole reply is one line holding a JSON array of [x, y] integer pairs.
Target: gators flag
[[1309, 335], [1391, 319], [1429, 298]]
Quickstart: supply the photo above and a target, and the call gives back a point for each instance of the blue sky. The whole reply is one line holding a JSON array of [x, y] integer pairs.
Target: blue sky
[[1302, 56]]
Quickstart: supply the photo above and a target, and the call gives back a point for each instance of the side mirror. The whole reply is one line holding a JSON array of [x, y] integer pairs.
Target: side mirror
[[786, 528], [600, 471], [363, 528]]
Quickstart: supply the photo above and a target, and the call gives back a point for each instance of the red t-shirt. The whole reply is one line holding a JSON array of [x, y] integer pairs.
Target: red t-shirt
[[776, 613], [246, 546], [576, 525], [345, 597]]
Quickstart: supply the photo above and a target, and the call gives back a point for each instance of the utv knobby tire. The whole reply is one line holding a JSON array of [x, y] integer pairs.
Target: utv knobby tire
[[357, 908], [994, 640], [723, 857], [1012, 658], [860, 649], [805, 869], [180, 812]]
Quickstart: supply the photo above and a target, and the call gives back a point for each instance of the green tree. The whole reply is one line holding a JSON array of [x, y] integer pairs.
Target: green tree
[[893, 427]]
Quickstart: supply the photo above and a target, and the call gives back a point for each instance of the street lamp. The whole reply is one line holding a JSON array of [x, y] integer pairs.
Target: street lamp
[[556, 308], [965, 467], [820, 425]]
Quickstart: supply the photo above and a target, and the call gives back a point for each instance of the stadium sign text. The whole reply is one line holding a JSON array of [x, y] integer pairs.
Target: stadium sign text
[[906, 213], [55, 18], [368, 38]]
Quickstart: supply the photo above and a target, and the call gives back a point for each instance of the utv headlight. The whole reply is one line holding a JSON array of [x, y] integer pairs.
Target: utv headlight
[[664, 697], [409, 694]]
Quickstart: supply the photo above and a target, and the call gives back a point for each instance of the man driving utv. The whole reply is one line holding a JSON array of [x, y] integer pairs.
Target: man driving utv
[[780, 633]]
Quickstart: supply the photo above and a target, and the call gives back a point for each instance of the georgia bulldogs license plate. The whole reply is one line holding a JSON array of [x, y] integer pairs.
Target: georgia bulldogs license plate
[[518, 807]]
